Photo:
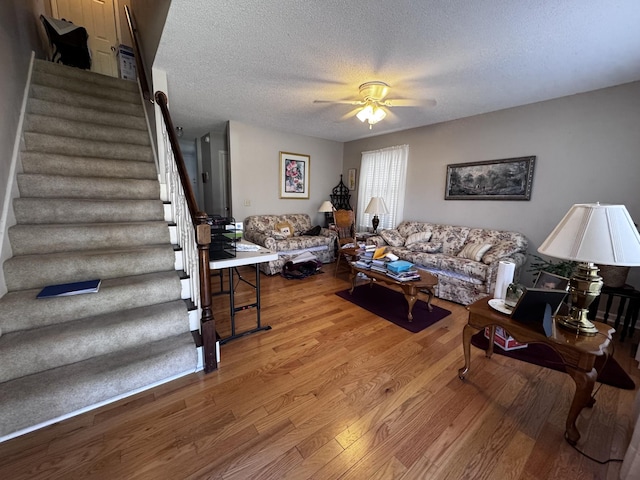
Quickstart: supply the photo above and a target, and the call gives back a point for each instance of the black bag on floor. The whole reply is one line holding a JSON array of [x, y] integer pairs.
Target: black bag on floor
[[300, 270]]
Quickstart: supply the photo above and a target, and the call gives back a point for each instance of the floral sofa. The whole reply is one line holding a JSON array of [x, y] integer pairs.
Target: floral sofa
[[270, 231], [464, 259]]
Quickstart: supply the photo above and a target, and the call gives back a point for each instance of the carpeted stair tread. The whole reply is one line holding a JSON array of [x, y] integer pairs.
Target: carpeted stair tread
[[105, 92], [25, 402], [38, 162], [54, 238], [58, 186], [65, 210], [57, 95], [84, 75], [86, 115], [41, 142], [89, 207], [73, 129], [21, 310], [29, 351], [36, 271]]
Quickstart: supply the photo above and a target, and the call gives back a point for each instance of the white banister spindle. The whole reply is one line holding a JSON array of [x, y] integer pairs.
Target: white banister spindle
[[181, 216]]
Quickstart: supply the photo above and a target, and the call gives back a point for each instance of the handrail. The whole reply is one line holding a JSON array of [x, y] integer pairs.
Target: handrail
[[140, 65], [199, 222]]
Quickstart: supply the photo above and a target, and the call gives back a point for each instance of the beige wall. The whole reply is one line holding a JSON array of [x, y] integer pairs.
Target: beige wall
[[20, 34], [587, 148], [255, 157]]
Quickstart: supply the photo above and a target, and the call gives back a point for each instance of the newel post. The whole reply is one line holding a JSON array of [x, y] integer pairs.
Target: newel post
[[207, 322]]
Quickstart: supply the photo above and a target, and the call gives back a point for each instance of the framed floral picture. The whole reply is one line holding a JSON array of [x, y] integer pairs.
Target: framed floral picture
[[294, 175]]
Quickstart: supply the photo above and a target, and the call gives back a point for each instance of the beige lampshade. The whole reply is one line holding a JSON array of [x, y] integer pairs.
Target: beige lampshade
[[326, 207], [376, 206], [602, 234]]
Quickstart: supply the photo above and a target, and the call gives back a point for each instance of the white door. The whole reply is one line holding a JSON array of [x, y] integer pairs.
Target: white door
[[98, 18]]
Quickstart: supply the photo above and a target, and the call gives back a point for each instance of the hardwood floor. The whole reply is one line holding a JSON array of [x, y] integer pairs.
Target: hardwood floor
[[333, 391]]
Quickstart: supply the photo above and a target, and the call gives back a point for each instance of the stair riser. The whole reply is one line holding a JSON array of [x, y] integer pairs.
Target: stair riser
[[85, 115], [57, 95], [72, 130], [42, 163], [37, 142], [84, 76], [67, 211], [34, 239], [25, 353], [78, 86], [51, 186], [31, 271]]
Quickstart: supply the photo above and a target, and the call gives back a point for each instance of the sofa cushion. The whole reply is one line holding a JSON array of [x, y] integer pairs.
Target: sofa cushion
[[426, 247], [465, 266], [474, 251], [392, 237], [452, 237], [278, 235], [417, 237]]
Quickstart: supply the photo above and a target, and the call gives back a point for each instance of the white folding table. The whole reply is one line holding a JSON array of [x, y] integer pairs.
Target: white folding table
[[231, 264]]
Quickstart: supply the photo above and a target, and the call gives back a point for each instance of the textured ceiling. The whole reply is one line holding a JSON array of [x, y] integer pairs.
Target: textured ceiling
[[264, 62]]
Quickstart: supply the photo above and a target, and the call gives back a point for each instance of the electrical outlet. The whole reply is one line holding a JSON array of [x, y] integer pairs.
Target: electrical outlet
[[247, 203]]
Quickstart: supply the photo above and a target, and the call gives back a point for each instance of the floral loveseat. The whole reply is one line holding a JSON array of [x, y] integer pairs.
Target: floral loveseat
[[270, 231], [464, 259]]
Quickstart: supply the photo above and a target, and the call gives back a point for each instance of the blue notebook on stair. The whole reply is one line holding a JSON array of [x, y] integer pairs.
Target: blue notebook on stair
[[66, 289]]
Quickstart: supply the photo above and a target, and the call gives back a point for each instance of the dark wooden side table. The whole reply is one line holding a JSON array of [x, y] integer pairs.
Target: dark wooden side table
[[625, 294], [578, 352]]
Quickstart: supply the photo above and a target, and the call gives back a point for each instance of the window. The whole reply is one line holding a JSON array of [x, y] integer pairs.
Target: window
[[383, 173]]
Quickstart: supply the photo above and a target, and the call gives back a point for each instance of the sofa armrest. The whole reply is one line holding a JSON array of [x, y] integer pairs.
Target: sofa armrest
[[261, 239], [376, 240], [327, 232]]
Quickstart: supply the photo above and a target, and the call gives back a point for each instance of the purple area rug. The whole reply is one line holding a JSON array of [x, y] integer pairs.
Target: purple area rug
[[539, 354], [392, 306]]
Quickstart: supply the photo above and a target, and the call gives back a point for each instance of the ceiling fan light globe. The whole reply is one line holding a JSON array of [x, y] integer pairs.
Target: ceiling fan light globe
[[365, 114], [378, 114]]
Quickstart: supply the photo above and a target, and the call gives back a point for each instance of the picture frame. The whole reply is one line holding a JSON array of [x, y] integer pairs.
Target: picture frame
[[503, 179], [551, 280], [532, 305], [351, 179], [294, 175]]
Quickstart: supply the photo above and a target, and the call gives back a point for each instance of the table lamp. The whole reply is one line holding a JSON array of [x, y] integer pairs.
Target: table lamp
[[376, 206], [326, 208], [590, 234]]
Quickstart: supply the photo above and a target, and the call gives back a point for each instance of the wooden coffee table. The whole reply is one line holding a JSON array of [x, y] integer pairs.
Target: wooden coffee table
[[410, 288]]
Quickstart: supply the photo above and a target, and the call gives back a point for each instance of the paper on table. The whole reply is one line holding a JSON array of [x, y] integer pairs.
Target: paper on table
[[503, 279]]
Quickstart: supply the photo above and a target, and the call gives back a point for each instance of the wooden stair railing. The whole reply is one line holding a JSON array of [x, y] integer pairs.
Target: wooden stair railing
[[202, 238], [141, 69], [194, 231]]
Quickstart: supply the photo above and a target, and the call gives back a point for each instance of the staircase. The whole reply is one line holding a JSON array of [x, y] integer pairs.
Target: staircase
[[89, 207]]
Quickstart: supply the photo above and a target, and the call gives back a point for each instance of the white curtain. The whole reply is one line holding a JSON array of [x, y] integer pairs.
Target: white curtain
[[630, 469], [383, 173]]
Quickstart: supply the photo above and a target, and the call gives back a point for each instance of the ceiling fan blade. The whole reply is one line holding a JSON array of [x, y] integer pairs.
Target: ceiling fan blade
[[402, 102], [341, 102]]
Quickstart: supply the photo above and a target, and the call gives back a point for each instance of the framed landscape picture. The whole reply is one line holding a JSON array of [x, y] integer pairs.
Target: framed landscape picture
[[294, 175], [505, 179]]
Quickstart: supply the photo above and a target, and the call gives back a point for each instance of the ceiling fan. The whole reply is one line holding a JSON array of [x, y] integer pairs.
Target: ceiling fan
[[373, 102]]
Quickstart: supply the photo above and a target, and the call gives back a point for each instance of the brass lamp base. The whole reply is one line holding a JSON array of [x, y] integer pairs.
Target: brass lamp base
[[584, 287], [580, 327]]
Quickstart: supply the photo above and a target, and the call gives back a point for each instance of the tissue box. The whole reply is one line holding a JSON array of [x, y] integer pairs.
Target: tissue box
[[504, 340]]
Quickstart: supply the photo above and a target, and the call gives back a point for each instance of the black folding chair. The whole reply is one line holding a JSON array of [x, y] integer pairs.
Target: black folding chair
[[70, 48]]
